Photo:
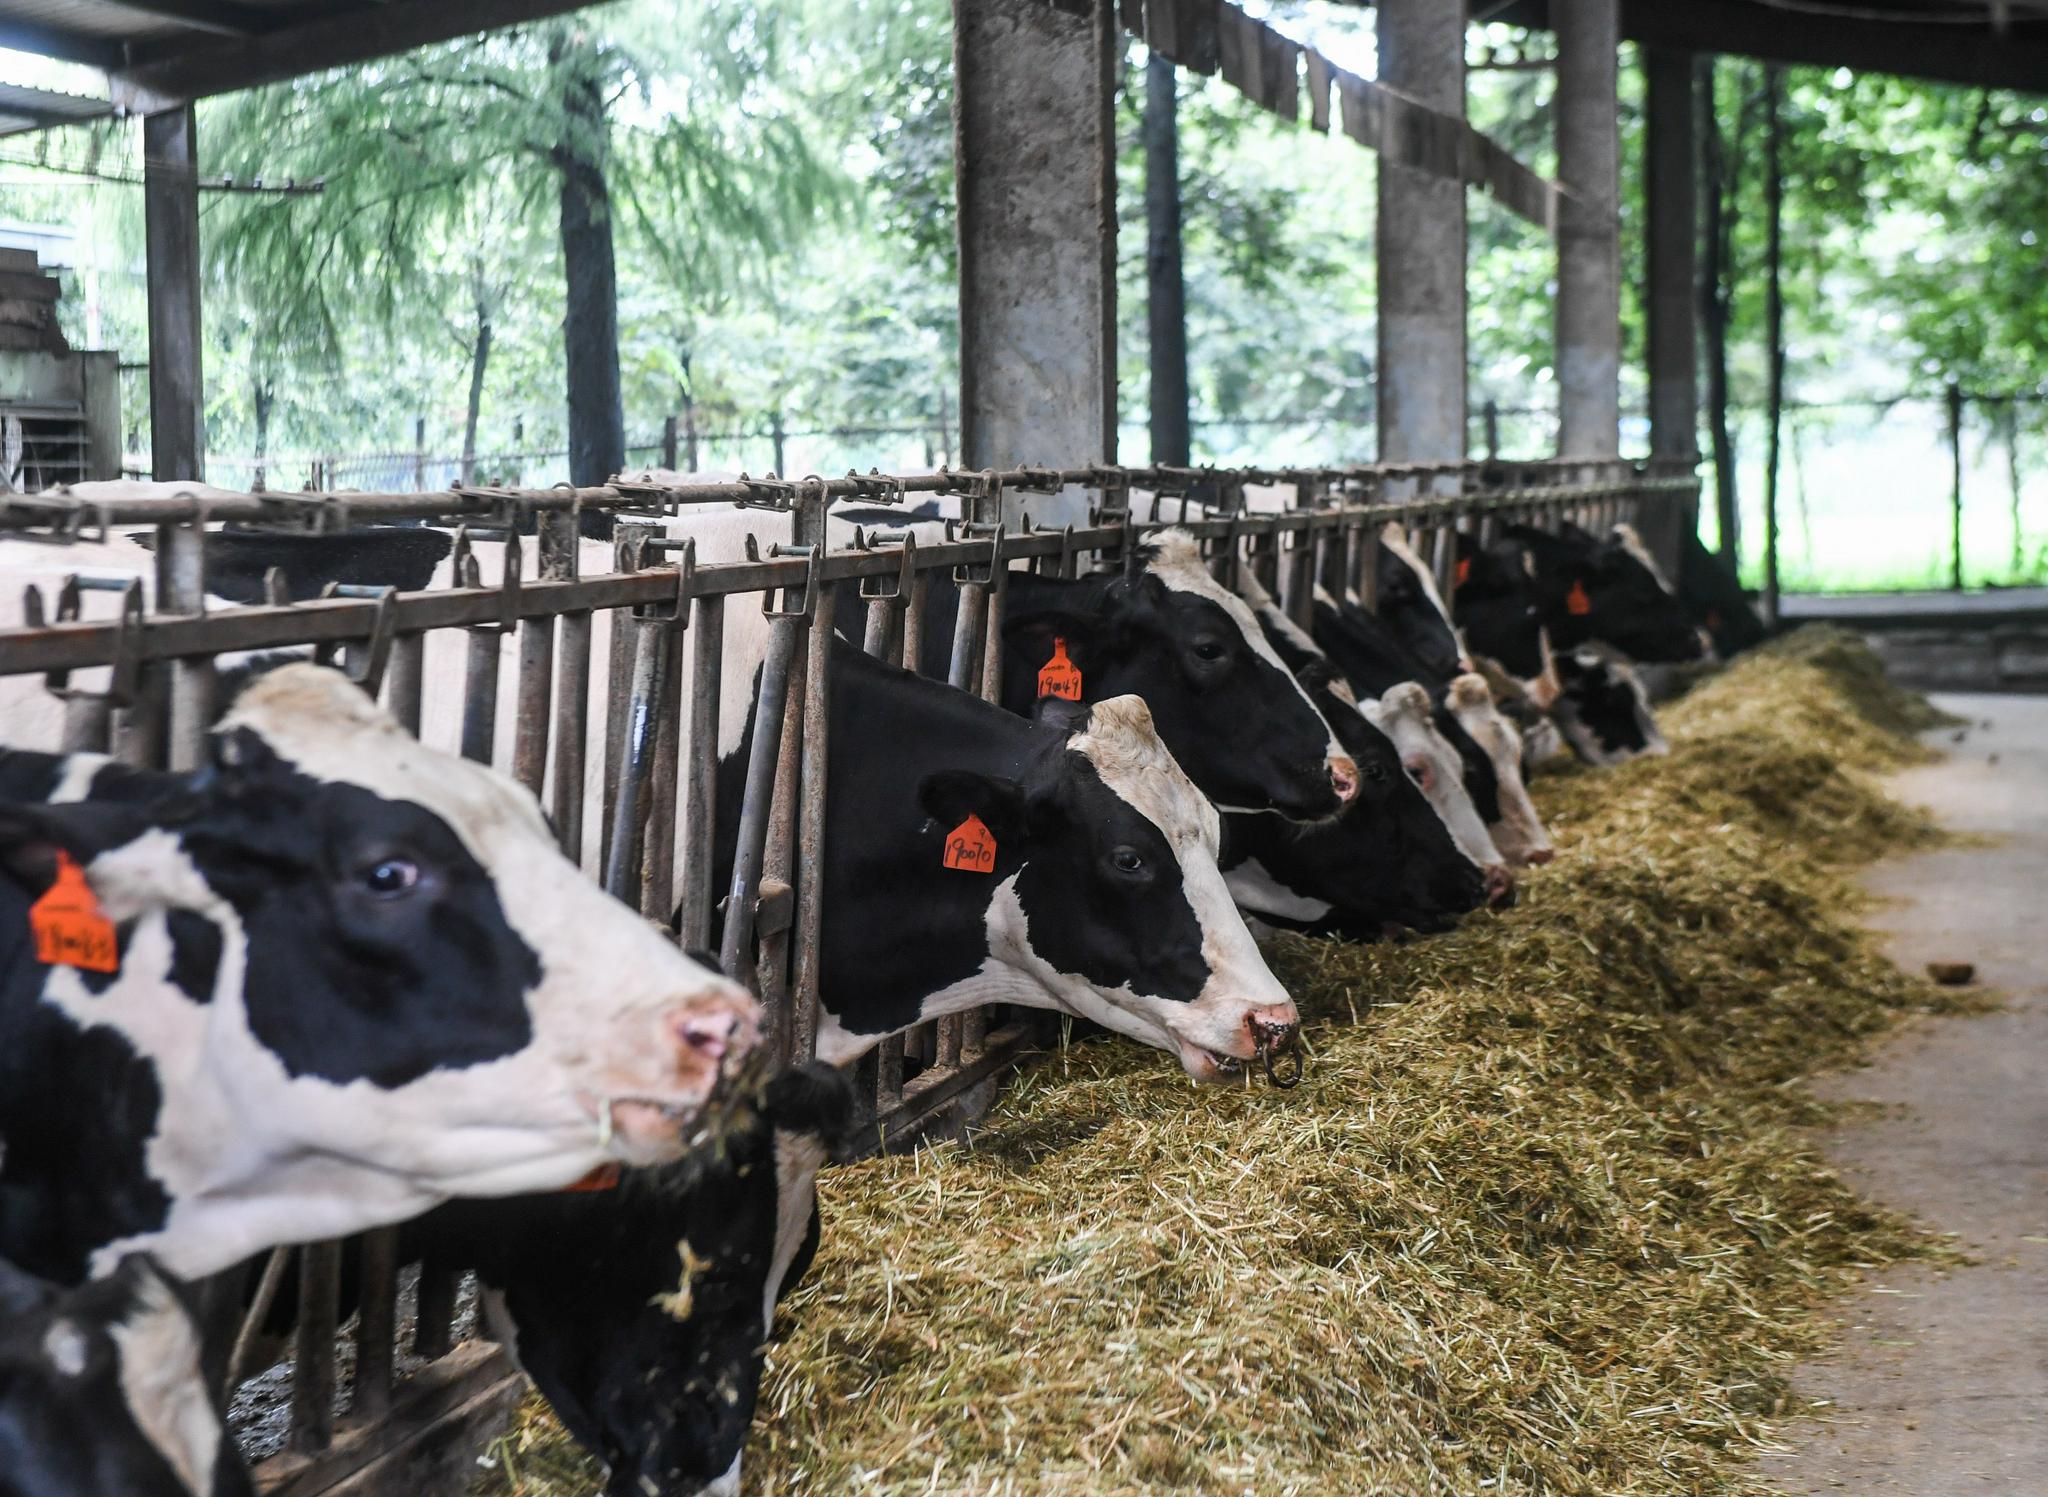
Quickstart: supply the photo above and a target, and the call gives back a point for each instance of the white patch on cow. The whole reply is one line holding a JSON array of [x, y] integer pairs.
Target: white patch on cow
[[164, 1384], [1632, 542], [727, 1482], [65, 1346], [1177, 562], [75, 783], [1395, 539], [252, 1156], [798, 1158], [1402, 713], [1520, 833], [1255, 889]]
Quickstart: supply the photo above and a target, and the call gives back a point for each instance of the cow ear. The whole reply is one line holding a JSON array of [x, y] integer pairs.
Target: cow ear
[[1070, 717], [950, 796], [34, 837], [1029, 639]]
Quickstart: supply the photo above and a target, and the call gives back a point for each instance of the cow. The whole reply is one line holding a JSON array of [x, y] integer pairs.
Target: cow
[[1234, 717], [1413, 608], [1592, 591], [1501, 625], [1714, 601], [642, 1312], [328, 981], [1604, 711], [103, 1392], [1066, 864]]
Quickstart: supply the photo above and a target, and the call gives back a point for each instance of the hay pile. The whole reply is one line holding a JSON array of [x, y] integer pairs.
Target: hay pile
[[1536, 1221]]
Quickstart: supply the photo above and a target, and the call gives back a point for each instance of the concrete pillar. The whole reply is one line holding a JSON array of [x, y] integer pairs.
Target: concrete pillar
[[1671, 193], [170, 206], [1035, 160], [1421, 247], [1588, 234]]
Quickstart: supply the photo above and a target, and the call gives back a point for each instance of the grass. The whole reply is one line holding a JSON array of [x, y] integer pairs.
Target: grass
[[1542, 1218]]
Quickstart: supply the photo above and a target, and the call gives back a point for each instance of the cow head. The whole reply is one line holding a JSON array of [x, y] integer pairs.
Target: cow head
[[1403, 713], [1606, 591], [360, 967], [1604, 712], [1502, 619], [1413, 608], [1519, 831], [1110, 900], [1235, 718], [102, 1390]]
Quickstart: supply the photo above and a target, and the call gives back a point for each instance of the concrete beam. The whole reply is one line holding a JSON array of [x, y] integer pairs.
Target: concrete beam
[[170, 206], [1588, 232], [1035, 154], [1421, 247]]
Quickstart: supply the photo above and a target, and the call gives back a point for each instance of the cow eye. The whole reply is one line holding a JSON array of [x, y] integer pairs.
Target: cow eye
[[1209, 649], [390, 877], [1376, 772], [1127, 860]]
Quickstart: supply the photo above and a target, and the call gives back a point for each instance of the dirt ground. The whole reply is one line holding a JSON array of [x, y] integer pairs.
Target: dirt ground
[[1940, 1383]]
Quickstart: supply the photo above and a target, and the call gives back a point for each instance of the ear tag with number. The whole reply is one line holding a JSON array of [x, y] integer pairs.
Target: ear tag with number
[[1059, 676], [70, 928], [970, 847], [1576, 602]]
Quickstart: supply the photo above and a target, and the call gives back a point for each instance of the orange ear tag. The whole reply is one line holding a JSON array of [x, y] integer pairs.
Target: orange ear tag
[[1059, 676], [1576, 602], [604, 1177], [70, 928], [1464, 571], [970, 847]]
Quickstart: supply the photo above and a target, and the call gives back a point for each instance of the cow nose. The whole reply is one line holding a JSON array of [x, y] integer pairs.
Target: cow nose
[[1344, 778], [1500, 885], [1541, 855], [709, 1029], [1274, 1026], [709, 1037]]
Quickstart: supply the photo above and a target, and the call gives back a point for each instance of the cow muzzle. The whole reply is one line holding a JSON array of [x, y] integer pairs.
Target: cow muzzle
[[698, 1046], [1500, 886], [1344, 779]]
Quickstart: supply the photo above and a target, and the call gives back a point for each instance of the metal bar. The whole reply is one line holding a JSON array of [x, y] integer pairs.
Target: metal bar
[[313, 1349], [810, 834], [170, 210], [405, 680], [376, 1325], [762, 759], [194, 685], [1588, 229], [530, 726], [778, 862], [480, 696], [433, 1329], [658, 861], [625, 640], [572, 729], [628, 803], [700, 804]]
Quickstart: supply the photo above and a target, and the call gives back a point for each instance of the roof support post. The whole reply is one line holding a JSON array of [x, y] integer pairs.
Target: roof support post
[[1166, 308], [1035, 152], [170, 206], [1588, 230], [1671, 191], [1421, 248]]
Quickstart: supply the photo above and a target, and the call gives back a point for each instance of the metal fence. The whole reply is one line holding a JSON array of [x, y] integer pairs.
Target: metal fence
[[660, 618]]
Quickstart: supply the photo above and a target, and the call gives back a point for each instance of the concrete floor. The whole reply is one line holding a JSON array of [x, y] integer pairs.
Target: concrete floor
[[1940, 1384]]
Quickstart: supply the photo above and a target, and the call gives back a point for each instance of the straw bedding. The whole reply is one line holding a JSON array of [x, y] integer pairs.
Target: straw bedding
[[1539, 1220]]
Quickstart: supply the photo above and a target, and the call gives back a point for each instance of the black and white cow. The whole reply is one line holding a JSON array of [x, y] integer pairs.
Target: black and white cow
[[103, 1393], [1603, 710], [1590, 591], [1414, 610], [327, 982], [1089, 885], [642, 1312], [1234, 717], [1714, 601]]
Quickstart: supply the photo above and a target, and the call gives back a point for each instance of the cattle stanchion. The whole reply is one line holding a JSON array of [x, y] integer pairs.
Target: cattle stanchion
[[700, 791]]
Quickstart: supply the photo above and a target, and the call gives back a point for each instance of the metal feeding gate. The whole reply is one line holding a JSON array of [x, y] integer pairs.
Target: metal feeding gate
[[415, 1416]]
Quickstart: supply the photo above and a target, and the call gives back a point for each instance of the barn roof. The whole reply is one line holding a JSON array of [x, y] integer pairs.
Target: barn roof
[[158, 53]]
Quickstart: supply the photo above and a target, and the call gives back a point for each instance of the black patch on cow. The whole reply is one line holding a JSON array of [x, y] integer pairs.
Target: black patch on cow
[[1233, 719], [399, 556], [1715, 601], [29, 776], [1498, 609], [1597, 695], [1595, 591], [666, 1403], [1404, 603], [195, 954], [344, 983]]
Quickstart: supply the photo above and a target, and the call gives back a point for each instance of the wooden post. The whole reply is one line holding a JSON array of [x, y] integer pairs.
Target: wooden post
[[1421, 247], [1166, 313], [1774, 329], [1955, 504], [1671, 190], [170, 208], [668, 442], [419, 455], [1588, 235], [1035, 152]]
